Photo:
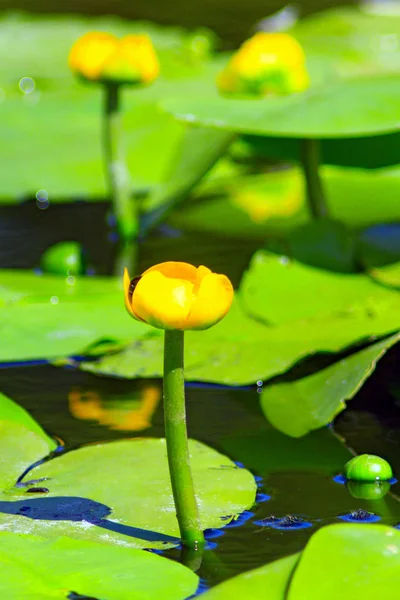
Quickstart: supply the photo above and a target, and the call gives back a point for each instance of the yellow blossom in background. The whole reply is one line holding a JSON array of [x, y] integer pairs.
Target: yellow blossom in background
[[102, 56], [267, 63], [177, 295], [278, 194], [90, 52]]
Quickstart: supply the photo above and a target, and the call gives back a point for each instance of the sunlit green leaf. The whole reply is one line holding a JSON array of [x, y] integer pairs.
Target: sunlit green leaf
[[120, 492], [361, 561], [37, 568], [252, 585], [22, 441], [45, 316], [299, 406], [277, 290]]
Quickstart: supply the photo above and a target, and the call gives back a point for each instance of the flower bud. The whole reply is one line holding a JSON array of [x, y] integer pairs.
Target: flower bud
[[267, 63], [100, 56], [177, 295]]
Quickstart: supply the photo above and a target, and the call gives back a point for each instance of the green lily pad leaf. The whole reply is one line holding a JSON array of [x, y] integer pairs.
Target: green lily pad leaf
[[388, 275], [299, 406], [271, 283], [56, 316], [241, 350], [359, 106], [120, 492], [252, 585], [22, 441], [37, 568], [359, 561]]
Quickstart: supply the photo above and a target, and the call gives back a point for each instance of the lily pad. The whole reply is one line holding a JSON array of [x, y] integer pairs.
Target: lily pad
[[387, 275], [37, 568], [354, 107], [360, 561], [299, 406], [271, 283], [57, 317], [120, 493], [22, 441], [252, 585], [241, 350]]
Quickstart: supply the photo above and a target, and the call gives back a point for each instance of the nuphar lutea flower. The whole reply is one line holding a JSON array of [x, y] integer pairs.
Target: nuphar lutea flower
[[267, 63], [177, 295], [98, 56]]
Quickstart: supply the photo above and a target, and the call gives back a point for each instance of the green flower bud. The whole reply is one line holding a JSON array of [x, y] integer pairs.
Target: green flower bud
[[368, 467], [64, 258]]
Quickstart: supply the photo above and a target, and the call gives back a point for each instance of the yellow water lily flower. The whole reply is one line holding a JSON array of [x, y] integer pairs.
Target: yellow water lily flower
[[177, 295], [102, 56], [267, 63]]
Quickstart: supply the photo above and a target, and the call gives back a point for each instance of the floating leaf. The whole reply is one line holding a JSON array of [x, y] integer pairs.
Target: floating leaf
[[120, 492], [37, 568], [361, 561], [22, 441], [57, 317], [388, 275], [271, 283], [358, 106], [252, 585], [240, 350], [299, 406]]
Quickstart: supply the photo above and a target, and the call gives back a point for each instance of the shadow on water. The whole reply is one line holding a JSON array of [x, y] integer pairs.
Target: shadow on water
[[71, 508]]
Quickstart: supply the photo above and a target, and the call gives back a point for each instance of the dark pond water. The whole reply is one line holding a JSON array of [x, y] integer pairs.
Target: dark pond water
[[296, 475]]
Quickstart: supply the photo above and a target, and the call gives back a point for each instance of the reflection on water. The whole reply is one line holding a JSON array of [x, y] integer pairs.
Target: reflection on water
[[132, 413]]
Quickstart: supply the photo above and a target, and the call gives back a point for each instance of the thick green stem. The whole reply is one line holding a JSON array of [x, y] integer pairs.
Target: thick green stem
[[177, 443], [118, 181], [310, 157]]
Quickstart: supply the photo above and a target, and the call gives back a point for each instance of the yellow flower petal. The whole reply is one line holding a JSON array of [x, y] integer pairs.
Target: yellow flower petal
[[267, 63], [90, 52], [213, 300], [179, 270], [162, 301]]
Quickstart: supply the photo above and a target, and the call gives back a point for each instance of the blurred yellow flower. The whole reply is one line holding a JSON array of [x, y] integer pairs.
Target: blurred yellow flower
[[277, 194], [177, 295], [267, 63], [131, 414], [102, 56]]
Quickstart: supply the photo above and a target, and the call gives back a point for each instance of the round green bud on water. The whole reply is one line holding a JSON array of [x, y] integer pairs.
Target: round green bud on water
[[64, 258], [368, 467], [368, 491]]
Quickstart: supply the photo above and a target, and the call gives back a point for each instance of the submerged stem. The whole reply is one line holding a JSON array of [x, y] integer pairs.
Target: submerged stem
[[118, 181], [310, 157], [177, 443]]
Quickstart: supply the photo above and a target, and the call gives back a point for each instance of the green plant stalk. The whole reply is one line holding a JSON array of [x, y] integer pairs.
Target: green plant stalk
[[310, 158], [123, 206], [177, 443]]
